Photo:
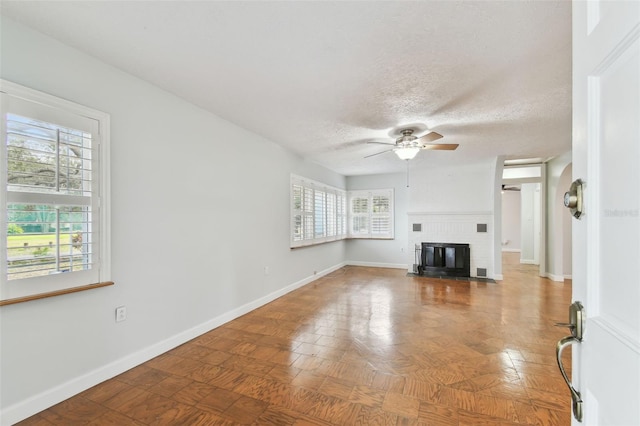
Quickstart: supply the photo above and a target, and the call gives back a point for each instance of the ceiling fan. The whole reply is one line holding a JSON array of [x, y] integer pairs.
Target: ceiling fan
[[510, 188], [407, 146]]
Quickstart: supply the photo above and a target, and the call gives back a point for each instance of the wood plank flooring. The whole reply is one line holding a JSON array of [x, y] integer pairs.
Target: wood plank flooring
[[361, 346]]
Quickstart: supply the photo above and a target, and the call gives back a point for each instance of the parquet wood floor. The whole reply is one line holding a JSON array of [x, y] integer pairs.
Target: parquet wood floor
[[361, 346]]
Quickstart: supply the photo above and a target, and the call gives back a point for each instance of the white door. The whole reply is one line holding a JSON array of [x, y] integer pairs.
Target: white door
[[606, 241]]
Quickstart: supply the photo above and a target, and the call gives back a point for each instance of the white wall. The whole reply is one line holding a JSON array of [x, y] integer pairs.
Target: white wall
[[564, 223], [530, 223], [449, 202], [567, 236], [199, 207], [511, 221], [383, 253], [455, 189], [498, 171], [558, 218]]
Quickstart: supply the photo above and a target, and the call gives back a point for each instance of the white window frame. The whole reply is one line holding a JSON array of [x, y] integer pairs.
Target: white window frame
[[304, 215], [100, 273], [368, 217]]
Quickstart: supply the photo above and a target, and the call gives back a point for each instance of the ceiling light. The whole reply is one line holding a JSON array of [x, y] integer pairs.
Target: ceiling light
[[406, 153]]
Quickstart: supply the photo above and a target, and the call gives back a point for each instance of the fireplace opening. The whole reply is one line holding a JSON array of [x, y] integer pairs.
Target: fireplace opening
[[444, 260]]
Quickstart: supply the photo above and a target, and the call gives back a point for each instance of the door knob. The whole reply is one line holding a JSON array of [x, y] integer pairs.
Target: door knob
[[573, 199]]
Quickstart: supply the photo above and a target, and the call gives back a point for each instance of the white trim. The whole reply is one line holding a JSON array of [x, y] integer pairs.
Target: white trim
[[528, 261], [33, 405], [568, 277], [554, 277], [47, 198], [508, 250], [377, 264], [46, 99], [479, 213], [105, 196], [498, 277], [618, 331], [320, 185], [520, 181]]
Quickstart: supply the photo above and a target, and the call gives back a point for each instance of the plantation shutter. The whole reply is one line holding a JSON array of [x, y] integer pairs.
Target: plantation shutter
[[371, 214], [320, 214], [380, 215], [317, 212], [360, 215], [341, 219], [307, 214], [331, 214], [297, 192], [50, 181]]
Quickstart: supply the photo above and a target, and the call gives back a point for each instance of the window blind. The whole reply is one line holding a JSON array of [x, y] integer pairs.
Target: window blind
[[51, 183], [317, 212], [321, 213], [371, 214]]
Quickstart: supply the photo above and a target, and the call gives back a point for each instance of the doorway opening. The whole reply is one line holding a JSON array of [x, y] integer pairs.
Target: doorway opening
[[523, 213]]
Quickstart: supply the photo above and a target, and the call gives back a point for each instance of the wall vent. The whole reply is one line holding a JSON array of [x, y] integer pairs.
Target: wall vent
[[481, 272], [482, 227], [417, 227]]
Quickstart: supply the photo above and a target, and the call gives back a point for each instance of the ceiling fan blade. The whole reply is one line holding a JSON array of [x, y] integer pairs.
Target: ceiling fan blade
[[430, 137], [441, 146], [377, 153]]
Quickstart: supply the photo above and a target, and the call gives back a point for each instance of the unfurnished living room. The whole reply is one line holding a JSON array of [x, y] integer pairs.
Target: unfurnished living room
[[320, 213]]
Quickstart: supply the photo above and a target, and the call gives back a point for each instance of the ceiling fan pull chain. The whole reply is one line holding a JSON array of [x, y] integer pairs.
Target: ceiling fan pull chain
[[407, 172]]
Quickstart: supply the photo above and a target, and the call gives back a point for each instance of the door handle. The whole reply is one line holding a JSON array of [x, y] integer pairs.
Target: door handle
[[576, 320], [576, 398], [566, 324], [576, 325]]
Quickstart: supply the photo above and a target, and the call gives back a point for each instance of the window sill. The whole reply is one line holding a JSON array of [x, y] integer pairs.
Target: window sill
[[54, 293], [353, 237], [293, 247]]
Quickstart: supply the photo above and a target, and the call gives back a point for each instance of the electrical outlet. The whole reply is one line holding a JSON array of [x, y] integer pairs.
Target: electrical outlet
[[121, 313]]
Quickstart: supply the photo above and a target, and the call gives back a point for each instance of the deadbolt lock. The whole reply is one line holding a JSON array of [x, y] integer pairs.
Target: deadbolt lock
[[573, 199]]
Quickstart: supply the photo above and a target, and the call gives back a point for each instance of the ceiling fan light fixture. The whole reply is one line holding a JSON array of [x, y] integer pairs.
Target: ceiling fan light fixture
[[406, 153]]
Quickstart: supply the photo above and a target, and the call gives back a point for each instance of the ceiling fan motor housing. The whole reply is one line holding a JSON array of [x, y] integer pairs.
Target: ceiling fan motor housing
[[407, 139]]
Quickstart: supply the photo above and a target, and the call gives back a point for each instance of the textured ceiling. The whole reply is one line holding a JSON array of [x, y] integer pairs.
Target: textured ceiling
[[321, 78]]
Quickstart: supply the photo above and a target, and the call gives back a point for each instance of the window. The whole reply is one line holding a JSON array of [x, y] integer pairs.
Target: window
[[54, 184], [317, 212], [371, 214], [320, 213]]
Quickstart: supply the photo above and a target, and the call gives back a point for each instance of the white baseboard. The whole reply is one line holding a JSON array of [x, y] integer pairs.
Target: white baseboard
[[33, 405], [498, 277], [528, 262], [377, 265], [554, 277], [568, 277], [510, 250]]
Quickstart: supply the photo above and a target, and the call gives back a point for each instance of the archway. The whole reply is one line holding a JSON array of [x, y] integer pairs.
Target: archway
[[562, 255]]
